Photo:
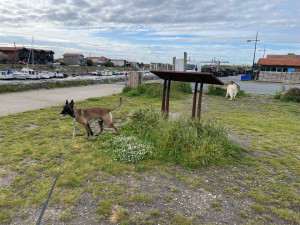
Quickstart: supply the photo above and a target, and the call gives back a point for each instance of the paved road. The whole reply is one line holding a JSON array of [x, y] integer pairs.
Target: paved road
[[37, 99]]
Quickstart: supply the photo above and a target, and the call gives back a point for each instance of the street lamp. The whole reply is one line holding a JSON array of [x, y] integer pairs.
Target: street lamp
[[252, 76]]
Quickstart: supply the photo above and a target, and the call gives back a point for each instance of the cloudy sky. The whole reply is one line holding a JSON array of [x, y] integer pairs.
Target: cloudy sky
[[154, 30]]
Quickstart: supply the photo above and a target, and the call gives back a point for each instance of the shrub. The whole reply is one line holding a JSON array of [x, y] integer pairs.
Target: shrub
[[211, 90], [189, 143], [215, 91], [126, 89], [186, 87], [291, 95]]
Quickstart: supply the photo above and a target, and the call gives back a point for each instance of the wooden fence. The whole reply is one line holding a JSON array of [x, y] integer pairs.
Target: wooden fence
[[281, 77]]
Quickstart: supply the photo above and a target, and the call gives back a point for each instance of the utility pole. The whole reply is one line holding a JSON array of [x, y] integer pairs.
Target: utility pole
[[252, 76], [184, 61]]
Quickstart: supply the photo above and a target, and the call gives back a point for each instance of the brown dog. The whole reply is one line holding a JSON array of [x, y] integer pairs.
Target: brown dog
[[87, 116]]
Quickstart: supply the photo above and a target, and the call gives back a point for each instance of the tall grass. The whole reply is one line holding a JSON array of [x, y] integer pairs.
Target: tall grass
[[178, 89], [186, 142], [211, 90], [291, 95]]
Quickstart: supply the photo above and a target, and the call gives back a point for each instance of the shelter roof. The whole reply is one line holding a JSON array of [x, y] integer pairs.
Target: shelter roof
[[207, 78]]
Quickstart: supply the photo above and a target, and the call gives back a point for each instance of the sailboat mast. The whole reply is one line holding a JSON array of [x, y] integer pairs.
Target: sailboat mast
[[32, 54]]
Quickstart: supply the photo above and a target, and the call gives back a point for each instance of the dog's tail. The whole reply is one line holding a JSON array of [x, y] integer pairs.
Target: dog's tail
[[118, 107]]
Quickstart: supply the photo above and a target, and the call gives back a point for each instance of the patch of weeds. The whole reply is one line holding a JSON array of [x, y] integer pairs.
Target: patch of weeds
[[141, 219], [173, 189], [105, 207], [211, 90], [65, 216], [168, 198], [5, 216], [215, 91], [24, 215], [126, 89], [236, 188], [128, 149], [291, 95], [178, 219], [258, 208], [199, 215], [142, 197], [286, 214], [242, 214], [139, 168], [122, 215], [155, 213], [216, 206]]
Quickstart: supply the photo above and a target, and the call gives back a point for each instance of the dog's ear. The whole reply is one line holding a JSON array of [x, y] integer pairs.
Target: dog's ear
[[72, 103], [67, 102]]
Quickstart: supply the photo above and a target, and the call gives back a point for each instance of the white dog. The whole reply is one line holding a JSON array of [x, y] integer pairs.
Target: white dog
[[232, 90]]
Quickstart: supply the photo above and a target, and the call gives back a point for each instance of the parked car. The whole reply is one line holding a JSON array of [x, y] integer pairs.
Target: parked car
[[21, 62], [95, 74]]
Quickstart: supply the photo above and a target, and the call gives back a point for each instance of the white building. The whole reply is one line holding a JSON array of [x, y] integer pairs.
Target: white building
[[118, 62]]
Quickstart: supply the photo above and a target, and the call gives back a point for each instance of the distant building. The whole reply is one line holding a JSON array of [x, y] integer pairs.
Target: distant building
[[95, 60], [280, 63], [161, 66], [16, 54], [133, 65], [74, 58], [118, 62], [280, 68]]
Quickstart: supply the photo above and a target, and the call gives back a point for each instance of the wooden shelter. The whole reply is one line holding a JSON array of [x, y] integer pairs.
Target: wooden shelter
[[193, 77]]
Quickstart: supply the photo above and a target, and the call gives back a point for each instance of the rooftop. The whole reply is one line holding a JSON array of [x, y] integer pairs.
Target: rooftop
[[279, 61]]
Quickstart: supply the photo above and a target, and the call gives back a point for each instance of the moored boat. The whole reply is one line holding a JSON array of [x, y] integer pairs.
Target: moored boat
[[30, 73], [5, 76], [19, 75], [44, 75]]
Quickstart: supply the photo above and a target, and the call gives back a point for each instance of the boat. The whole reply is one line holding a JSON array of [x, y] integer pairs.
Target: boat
[[51, 74], [30, 73], [5, 76], [44, 75], [58, 75], [19, 75]]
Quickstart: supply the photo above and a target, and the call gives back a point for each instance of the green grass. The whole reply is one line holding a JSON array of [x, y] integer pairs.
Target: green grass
[[265, 171]]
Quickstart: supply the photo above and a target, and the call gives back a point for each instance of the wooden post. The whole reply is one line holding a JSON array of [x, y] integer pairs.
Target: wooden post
[[174, 62], [184, 61], [163, 104], [168, 96], [195, 99], [200, 100]]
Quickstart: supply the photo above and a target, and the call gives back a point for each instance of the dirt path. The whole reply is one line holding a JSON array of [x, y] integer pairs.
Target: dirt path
[[37, 99]]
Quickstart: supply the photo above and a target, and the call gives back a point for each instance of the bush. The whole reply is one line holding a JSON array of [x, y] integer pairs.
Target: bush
[[215, 91], [211, 90], [126, 89], [185, 142], [291, 95], [186, 87], [178, 89]]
